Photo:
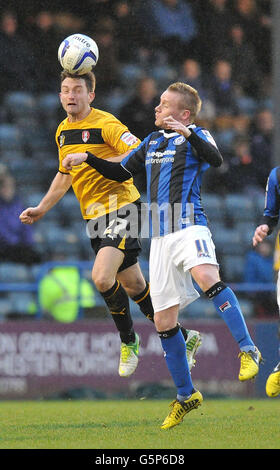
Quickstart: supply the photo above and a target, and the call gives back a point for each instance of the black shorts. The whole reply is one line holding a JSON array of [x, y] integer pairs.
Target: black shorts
[[120, 229]]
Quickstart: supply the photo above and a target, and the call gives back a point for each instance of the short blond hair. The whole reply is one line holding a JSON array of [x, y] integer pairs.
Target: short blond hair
[[191, 99]]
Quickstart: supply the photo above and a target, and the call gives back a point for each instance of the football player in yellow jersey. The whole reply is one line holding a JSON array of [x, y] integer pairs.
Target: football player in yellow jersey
[[116, 271]]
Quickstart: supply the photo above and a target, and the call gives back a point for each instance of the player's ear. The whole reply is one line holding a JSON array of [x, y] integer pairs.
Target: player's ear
[[186, 114], [91, 96]]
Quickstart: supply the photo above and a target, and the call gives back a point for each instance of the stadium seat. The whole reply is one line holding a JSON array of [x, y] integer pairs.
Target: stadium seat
[[200, 308], [20, 103], [130, 74], [5, 307], [246, 230], [21, 301], [228, 242], [247, 105], [33, 199], [27, 170], [247, 306], [14, 272], [240, 207], [17, 155], [11, 138], [163, 74], [259, 203], [48, 104], [115, 100], [233, 268], [37, 138], [213, 206], [69, 207], [224, 139], [56, 234], [69, 201]]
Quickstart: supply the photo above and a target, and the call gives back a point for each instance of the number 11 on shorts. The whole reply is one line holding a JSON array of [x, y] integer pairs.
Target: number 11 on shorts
[[202, 249]]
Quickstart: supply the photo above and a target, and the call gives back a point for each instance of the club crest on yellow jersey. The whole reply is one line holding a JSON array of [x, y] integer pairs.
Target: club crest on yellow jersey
[[85, 136], [61, 140]]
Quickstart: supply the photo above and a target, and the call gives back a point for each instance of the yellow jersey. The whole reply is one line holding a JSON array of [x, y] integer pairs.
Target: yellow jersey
[[105, 136], [276, 265]]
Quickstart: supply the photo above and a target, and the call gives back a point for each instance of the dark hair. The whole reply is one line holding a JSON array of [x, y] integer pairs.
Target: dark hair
[[89, 78]]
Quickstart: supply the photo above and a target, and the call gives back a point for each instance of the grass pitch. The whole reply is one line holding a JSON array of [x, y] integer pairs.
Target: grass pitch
[[135, 424]]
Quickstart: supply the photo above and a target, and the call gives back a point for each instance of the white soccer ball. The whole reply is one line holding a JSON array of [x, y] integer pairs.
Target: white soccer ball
[[78, 54]]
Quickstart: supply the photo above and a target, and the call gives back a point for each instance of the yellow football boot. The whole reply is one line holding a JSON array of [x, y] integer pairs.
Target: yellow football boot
[[273, 382], [180, 409], [249, 366]]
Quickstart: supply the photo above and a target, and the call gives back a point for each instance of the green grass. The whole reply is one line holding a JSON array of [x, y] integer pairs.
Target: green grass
[[131, 424]]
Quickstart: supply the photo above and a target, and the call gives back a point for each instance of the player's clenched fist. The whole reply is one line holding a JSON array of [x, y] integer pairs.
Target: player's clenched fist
[[73, 159], [30, 215], [260, 234]]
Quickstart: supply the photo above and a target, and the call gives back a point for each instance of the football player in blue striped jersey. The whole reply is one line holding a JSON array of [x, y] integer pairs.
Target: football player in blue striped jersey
[[175, 158], [268, 222]]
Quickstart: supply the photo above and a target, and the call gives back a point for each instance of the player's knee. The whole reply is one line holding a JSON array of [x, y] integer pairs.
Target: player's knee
[[134, 286], [102, 282], [164, 322], [206, 278]]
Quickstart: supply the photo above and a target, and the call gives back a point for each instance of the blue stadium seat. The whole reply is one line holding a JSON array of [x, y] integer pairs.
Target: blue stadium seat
[[36, 138], [69, 201], [233, 268], [20, 103], [6, 306], [48, 104], [14, 272], [11, 138], [213, 206], [57, 234], [247, 105], [247, 306], [259, 203], [27, 170], [200, 308], [163, 74], [33, 199], [240, 207], [246, 230], [115, 100], [21, 301], [224, 139], [228, 242], [62, 241], [130, 74]]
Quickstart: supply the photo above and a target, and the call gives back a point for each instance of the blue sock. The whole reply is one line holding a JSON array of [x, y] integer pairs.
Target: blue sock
[[174, 348], [227, 306]]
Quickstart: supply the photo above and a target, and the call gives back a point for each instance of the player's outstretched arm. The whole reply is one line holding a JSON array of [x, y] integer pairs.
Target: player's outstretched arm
[[109, 169], [260, 234], [60, 185], [74, 159]]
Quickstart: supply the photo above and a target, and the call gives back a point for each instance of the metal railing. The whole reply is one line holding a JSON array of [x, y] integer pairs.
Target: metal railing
[[87, 265]]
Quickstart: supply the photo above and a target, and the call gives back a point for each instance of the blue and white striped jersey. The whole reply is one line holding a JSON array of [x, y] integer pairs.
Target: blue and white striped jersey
[[174, 176], [272, 199]]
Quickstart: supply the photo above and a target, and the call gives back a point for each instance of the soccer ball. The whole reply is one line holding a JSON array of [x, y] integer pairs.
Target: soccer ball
[[78, 54]]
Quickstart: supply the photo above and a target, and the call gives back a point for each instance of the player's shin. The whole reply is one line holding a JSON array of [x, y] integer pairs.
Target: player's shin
[[118, 303], [227, 306], [174, 348], [143, 300]]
